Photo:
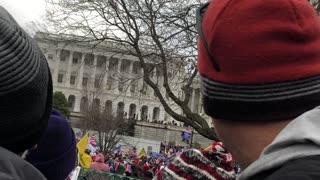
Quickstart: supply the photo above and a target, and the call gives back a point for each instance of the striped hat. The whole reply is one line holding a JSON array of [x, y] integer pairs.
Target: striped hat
[[25, 87], [268, 59], [214, 164]]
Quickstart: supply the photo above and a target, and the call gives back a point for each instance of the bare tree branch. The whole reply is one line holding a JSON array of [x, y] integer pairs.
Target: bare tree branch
[[161, 34]]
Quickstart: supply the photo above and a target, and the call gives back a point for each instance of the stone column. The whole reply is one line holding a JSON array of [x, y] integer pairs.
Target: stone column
[[68, 75], [140, 83], [119, 65], [130, 77], [77, 104], [116, 89], [200, 104], [56, 67], [95, 58], [80, 76], [192, 100], [106, 74]]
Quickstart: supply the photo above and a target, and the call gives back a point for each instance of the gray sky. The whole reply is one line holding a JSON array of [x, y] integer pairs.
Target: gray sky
[[25, 11]]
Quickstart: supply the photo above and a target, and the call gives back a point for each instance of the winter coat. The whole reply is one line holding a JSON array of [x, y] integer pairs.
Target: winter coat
[[99, 164], [128, 168], [14, 167], [307, 168], [293, 154]]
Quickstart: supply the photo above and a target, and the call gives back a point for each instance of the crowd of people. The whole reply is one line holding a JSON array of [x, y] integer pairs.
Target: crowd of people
[[128, 162], [148, 166], [259, 65]]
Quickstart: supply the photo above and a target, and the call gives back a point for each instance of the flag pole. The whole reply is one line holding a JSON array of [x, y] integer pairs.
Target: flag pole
[[191, 138]]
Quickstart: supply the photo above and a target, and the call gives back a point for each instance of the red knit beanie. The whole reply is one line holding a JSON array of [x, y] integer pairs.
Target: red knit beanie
[[268, 52]]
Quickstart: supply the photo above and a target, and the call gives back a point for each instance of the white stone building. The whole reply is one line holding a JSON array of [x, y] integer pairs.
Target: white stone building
[[75, 65]]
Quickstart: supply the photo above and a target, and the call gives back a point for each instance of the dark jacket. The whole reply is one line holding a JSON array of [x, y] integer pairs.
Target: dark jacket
[[307, 168], [14, 167], [293, 154]]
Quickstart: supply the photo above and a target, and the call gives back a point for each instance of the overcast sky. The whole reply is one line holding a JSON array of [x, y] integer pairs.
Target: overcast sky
[[25, 11]]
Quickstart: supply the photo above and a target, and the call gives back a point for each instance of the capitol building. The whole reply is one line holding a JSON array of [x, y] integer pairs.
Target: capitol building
[[77, 67]]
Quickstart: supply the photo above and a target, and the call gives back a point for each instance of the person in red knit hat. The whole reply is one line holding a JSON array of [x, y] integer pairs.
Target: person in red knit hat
[[259, 64]]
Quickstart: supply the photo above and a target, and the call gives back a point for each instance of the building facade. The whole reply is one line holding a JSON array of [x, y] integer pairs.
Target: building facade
[[75, 67]]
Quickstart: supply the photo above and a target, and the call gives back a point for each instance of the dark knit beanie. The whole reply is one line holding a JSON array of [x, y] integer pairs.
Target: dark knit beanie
[[56, 155], [25, 87], [268, 53]]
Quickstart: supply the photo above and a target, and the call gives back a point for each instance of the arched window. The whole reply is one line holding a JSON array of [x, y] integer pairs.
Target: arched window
[[71, 101], [84, 104], [132, 111], [96, 105], [156, 114], [120, 108], [108, 107], [144, 113]]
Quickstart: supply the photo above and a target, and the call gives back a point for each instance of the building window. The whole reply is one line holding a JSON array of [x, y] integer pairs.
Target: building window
[[50, 56], [149, 149], [101, 62], [133, 88], [72, 79], [60, 78], [88, 61], [109, 83], [97, 83], [63, 58], [120, 109], [144, 113], [156, 114], [108, 107], [71, 101], [75, 61], [144, 88], [84, 81], [120, 85]]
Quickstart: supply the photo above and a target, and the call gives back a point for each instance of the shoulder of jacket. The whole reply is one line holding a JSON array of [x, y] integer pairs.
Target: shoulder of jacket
[[306, 168]]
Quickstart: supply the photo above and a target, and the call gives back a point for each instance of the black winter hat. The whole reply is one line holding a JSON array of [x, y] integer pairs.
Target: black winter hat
[[25, 87]]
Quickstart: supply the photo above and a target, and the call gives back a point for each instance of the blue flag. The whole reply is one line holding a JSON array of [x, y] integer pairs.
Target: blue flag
[[186, 135]]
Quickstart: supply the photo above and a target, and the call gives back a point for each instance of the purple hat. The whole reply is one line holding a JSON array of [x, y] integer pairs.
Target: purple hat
[[56, 154]]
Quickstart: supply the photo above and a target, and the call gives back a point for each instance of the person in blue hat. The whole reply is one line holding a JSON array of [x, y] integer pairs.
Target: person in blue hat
[[56, 155]]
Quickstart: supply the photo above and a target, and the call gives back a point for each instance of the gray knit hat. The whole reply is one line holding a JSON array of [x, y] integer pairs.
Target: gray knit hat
[[25, 87]]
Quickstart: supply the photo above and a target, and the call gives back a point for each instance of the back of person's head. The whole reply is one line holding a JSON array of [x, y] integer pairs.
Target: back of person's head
[[262, 61], [99, 158], [55, 156], [25, 87]]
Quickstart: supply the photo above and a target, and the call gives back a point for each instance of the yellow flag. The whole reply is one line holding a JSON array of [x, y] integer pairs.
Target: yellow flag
[[208, 148], [142, 153], [84, 159]]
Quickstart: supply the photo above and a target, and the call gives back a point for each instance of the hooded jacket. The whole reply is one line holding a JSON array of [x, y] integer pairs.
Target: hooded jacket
[[14, 167], [99, 164], [293, 154]]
